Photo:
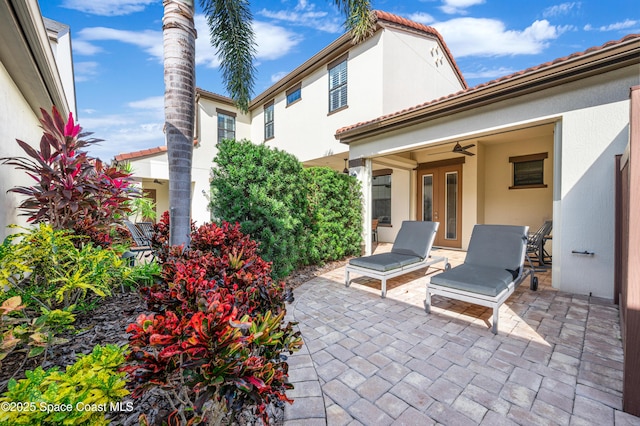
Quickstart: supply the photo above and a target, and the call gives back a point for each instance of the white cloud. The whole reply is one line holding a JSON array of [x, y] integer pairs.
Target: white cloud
[[306, 15], [560, 9], [458, 6], [107, 7], [274, 41], [153, 103], [136, 128], [150, 41], [278, 76], [627, 23], [205, 53], [489, 37], [422, 18], [83, 47], [84, 71], [488, 74]]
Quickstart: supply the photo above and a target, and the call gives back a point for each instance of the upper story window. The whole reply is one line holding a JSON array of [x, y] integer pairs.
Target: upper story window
[[226, 125], [528, 171], [294, 94], [338, 84], [268, 121]]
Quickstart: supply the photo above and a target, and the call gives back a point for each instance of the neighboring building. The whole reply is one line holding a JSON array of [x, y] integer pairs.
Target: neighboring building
[[340, 85], [35, 72], [544, 142]]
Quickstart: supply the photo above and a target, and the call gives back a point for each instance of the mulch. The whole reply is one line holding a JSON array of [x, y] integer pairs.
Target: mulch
[[107, 323]]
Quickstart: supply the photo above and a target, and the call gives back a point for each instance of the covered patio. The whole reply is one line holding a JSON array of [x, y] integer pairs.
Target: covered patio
[[557, 358]]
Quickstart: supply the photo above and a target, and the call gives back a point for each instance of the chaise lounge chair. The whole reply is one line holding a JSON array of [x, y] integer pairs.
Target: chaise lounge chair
[[410, 252], [492, 269]]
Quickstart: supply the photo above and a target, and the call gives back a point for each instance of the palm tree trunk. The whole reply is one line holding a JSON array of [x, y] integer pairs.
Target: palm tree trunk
[[179, 35]]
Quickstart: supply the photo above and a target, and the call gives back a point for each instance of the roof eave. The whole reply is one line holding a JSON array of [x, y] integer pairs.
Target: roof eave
[[600, 61]]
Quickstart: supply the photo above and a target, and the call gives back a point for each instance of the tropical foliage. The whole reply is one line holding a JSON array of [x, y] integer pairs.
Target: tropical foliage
[[264, 190], [72, 190], [231, 33], [298, 216], [216, 339], [79, 396]]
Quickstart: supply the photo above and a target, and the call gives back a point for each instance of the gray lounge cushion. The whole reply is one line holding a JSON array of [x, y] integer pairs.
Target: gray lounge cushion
[[415, 238], [486, 280], [499, 246], [385, 261]]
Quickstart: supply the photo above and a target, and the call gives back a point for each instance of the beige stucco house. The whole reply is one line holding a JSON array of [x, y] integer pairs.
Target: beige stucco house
[[543, 141], [534, 146], [36, 72], [340, 85]]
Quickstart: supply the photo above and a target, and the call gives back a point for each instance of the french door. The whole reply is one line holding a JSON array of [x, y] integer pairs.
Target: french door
[[440, 200]]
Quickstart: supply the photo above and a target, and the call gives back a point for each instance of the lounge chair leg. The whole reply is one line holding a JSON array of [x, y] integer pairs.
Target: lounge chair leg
[[384, 288], [494, 329], [346, 277], [427, 302]]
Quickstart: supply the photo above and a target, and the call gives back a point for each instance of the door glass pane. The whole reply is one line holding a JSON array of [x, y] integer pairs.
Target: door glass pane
[[427, 197], [451, 204]]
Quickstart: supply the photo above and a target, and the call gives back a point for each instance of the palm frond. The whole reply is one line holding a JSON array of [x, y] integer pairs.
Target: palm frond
[[232, 35], [360, 18]]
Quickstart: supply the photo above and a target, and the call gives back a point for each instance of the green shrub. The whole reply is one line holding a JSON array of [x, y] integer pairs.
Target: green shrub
[[83, 394], [218, 340], [263, 189], [336, 214], [45, 267], [299, 216], [20, 333]]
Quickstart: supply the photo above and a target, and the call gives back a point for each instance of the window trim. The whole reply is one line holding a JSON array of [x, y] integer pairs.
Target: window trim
[[525, 159], [296, 88], [268, 105], [330, 66], [220, 111]]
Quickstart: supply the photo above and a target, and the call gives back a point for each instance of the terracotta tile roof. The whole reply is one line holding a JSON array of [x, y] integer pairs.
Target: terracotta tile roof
[[140, 154], [395, 19], [501, 80]]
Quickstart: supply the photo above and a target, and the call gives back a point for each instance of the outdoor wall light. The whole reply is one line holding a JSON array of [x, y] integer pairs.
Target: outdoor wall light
[[346, 169]]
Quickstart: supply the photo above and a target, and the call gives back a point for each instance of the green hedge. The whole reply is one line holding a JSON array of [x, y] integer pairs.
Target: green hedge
[[299, 216], [336, 206]]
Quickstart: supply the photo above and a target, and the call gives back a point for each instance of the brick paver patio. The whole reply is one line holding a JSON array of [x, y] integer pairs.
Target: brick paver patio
[[557, 358]]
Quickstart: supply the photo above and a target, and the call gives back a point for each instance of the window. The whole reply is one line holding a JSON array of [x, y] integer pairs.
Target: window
[[226, 125], [294, 94], [528, 171], [381, 196], [268, 121], [338, 84]]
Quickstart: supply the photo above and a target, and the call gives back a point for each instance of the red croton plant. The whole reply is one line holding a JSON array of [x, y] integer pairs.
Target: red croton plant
[[72, 190], [217, 339]]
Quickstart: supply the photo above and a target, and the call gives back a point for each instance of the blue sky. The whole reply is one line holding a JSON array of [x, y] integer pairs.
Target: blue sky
[[117, 48]]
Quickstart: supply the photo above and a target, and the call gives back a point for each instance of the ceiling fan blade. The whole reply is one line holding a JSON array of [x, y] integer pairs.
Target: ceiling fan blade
[[466, 153], [464, 148]]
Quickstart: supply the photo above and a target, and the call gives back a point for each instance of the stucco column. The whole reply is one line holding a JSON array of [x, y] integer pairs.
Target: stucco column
[[363, 174]]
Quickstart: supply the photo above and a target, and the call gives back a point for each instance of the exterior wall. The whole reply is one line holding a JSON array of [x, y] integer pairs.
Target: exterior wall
[[17, 121], [29, 80], [376, 86], [422, 63], [594, 117], [305, 128], [528, 206], [60, 41]]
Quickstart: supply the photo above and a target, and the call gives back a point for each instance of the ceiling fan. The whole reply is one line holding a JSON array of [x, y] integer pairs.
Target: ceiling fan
[[458, 149], [463, 149]]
